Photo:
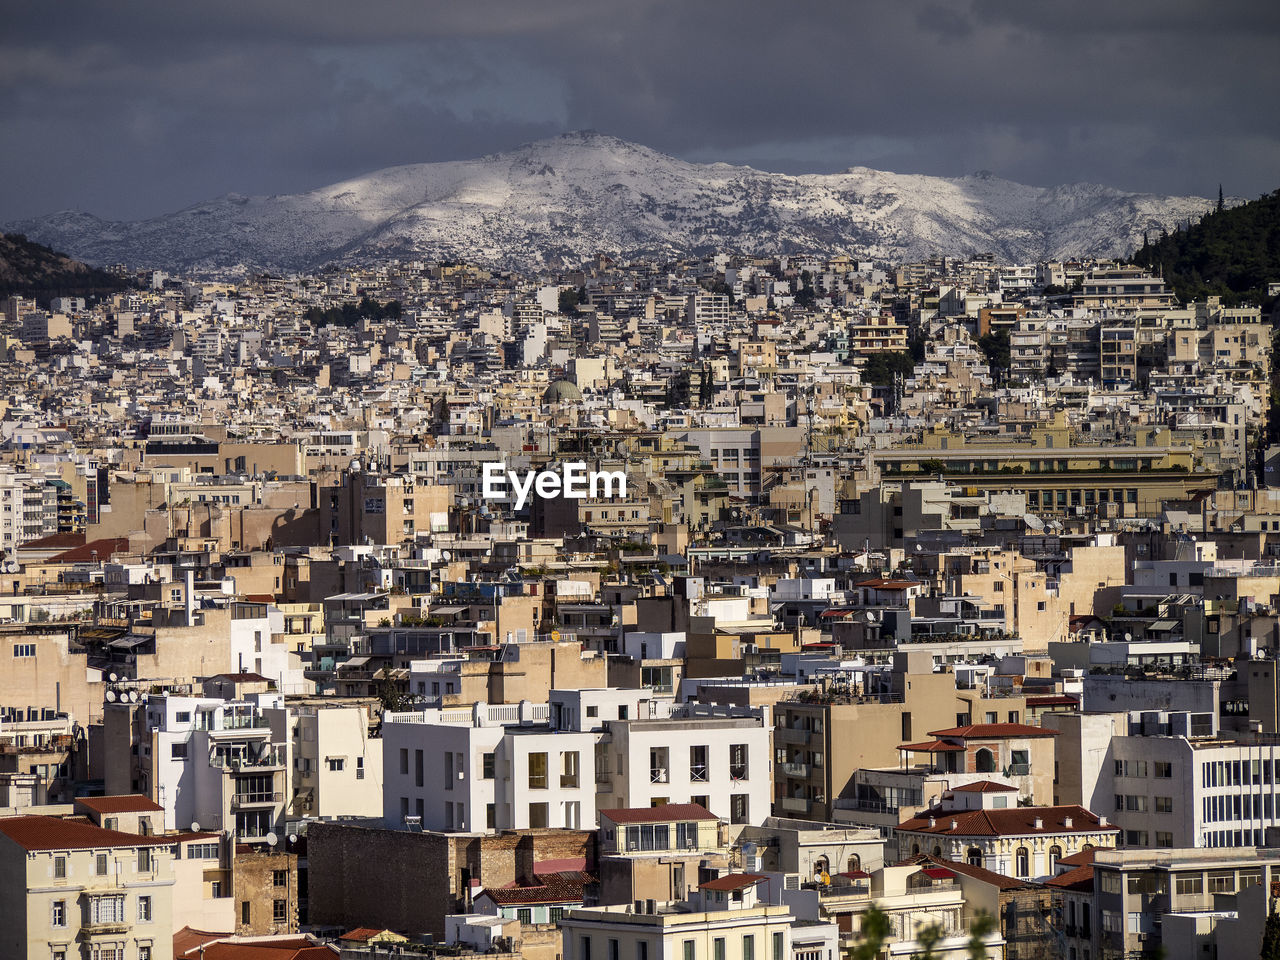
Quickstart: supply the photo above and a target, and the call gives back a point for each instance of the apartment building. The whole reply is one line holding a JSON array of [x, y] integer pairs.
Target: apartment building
[[816, 756], [1139, 893], [70, 889], [212, 764], [655, 853]]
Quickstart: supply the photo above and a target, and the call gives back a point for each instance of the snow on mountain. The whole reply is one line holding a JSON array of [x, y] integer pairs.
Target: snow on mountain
[[559, 202]]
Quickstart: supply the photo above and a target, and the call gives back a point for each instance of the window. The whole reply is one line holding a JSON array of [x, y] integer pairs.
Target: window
[[145, 861], [569, 768], [985, 761], [24, 650], [417, 768], [1188, 885], [738, 762], [1163, 770], [144, 952], [491, 816], [749, 947], [486, 766], [1164, 838], [585, 951], [613, 949], [537, 814], [524, 916], [1023, 862], [202, 851], [279, 911], [717, 948], [974, 856], [690, 950], [1055, 854], [60, 867], [779, 946], [244, 912], [58, 917], [144, 909], [178, 751], [738, 808], [215, 889], [100, 865], [404, 762], [336, 764], [1164, 804], [279, 878], [448, 769], [108, 909], [698, 764], [538, 772]]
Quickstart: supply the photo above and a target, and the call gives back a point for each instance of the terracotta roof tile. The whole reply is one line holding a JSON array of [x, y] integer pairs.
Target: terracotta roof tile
[[733, 881], [1013, 822], [668, 813], [54, 833], [982, 731], [124, 803]]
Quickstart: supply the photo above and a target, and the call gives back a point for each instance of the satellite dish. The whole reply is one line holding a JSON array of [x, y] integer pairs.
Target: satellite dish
[[133, 696], [293, 838], [111, 696], [112, 677], [272, 839], [195, 826], [1128, 637]]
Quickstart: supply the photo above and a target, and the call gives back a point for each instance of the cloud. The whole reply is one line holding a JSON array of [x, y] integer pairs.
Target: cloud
[[134, 110]]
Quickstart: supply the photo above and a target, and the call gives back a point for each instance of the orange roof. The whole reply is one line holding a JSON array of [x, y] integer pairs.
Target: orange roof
[[265, 948], [124, 803], [993, 731], [931, 746], [188, 940], [1010, 822], [985, 786], [1081, 878], [55, 833], [733, 881], [667, 813], [93, 550]]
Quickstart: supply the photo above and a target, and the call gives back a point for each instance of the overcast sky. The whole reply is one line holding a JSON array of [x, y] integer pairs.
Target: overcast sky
[[134, 109]]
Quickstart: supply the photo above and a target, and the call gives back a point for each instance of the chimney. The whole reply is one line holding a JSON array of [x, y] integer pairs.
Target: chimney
[[1102, 821], [1039, 824], [955, 824], [933, 822], [1066, 822]]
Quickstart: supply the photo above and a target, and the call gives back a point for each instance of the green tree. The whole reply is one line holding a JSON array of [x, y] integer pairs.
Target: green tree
[[805, 295], [568, 302], [1271, 938], [678, 390], [980, 927], [995, 346], [881, 368], [706, 388], [875, 931]]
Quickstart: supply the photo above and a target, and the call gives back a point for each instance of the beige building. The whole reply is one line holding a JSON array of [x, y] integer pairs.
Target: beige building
[[70, 889]]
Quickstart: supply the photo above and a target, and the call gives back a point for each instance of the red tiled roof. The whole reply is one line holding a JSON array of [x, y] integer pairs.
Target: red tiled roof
[[59, 541], [240, 677], [293, 948], [985, 786], [881, 583], [546, 888], [994, 731], [667, 813], [1079, 859], [361, 934], [1081, 878], [1011, 822], [930, 746], [939, 873], [93, 550], [54, 833], [733, 881], [188, 940], [124, 803]]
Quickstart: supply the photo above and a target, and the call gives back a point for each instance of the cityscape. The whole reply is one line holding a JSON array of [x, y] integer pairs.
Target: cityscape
[[589, 551]]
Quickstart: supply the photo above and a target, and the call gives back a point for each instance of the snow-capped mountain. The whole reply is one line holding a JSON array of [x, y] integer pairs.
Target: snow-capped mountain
[[559, 202]]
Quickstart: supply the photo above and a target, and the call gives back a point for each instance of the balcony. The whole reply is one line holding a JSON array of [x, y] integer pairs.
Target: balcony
[[105, 927], [797, 770], [792, 804], [790, 735], [255, 799], [1018, 770]]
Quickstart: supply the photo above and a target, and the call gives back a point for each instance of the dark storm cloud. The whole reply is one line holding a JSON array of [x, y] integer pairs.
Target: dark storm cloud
[[136, 109]]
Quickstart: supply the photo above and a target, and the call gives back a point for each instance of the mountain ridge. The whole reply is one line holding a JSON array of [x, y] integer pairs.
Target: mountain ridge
[[555, 203]]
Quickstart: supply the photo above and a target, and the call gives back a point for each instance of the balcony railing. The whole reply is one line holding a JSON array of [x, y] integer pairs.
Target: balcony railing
[[1018, 770], [800, 770], [698, 773], [251, 799], [658, 775]]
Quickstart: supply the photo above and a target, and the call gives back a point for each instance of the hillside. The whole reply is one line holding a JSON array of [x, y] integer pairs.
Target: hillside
[[1232, 253], [29, 269], [558, 202]]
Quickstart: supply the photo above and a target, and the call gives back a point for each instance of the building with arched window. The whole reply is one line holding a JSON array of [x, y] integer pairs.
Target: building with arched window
[[1021, 842]]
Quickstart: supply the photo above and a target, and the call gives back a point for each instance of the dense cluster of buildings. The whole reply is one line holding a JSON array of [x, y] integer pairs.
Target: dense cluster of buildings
[[947, 591]]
